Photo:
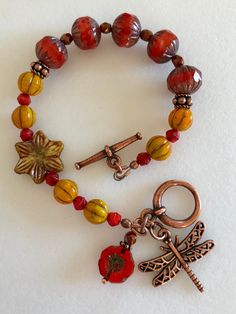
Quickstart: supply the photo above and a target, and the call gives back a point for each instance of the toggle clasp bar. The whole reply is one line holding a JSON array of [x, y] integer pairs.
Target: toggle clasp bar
[[109, 152]]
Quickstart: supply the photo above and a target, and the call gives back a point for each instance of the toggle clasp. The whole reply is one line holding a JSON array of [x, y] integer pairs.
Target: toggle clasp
[[113, 160], [160, 211]]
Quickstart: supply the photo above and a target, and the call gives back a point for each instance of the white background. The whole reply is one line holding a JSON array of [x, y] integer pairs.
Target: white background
[[49, 252]]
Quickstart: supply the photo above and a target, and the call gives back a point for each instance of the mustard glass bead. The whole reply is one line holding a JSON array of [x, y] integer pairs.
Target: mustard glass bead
[[30, 83], [65, 191], [158, 147], [180, 119], [23, 117], [96, 211]]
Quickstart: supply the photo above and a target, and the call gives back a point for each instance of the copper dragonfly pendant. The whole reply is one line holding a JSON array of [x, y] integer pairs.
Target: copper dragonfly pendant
[[178, 255]]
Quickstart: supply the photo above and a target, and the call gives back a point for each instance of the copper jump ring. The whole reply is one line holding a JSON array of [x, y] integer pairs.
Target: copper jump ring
[[168, 221]]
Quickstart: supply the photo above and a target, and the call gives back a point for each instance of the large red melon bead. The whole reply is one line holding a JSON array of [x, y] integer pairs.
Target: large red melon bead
[[51, 51], [162, 46], [116, 264], [185, 79], [126, 30], [86, 33]]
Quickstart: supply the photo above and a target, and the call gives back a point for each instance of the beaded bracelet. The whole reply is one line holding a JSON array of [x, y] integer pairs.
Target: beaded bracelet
[[40, 157]]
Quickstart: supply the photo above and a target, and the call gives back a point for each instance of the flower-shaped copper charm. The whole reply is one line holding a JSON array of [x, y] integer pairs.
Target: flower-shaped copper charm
[[39, 156]]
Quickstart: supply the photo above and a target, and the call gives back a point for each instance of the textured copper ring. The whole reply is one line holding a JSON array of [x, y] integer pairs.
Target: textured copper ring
[[175, 223]]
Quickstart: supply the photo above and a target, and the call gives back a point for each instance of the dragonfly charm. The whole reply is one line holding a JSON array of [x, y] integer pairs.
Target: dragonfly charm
[[177, 256]]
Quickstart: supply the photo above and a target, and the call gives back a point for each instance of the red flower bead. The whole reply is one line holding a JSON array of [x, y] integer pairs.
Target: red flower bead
[[86, 33], [52, 178], [51, 51], [116, 264], [79, 202], [24, 99], [26, 135], [185, 79], [172, 135], [126, 30], [113, 219], [162, 46], [143, 159]]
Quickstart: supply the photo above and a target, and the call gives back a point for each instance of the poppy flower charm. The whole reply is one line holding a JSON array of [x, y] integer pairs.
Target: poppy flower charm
[[116, 264]]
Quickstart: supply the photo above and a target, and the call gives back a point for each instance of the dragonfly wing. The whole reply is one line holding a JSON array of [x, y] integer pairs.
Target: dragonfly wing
[[193, 237], [157, 263], [198, 251], [166, 274]]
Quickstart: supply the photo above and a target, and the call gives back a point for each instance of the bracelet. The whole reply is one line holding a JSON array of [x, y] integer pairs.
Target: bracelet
[[39, 157]]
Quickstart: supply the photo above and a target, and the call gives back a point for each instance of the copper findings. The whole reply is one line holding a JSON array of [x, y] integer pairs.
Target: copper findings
[[174, 223], [177, 254], [113, 160]]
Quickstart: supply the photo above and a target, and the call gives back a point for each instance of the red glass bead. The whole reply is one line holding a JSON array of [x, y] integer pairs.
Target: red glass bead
[[172, 135], [116, 264], [79, 202], [51, 51], [162, 46], [143, 159], [52, 178], [86, 33], [185, 79], [113, 219], [24, 99], [26, 135], [126, 30]]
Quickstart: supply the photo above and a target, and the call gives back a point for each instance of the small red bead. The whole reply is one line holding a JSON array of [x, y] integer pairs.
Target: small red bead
[[26, 135], [79, 202], [52, 178], [143, 159], [172, 135], [24, 99], [113, 219]]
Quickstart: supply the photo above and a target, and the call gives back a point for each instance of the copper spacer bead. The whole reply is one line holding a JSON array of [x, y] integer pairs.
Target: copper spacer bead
[[130, 238], [105, 28], [134, 164], [126, 223], [177, 61], [182, 100], [189, 101], [146, 34], [66, 38], [40, 69], [38, 66], [174, 101]]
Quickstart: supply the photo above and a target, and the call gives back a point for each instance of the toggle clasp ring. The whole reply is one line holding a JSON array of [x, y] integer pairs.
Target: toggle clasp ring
[[175, 223]]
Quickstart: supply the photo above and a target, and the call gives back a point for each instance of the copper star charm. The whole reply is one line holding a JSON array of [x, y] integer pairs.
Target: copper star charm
[[39, 156]]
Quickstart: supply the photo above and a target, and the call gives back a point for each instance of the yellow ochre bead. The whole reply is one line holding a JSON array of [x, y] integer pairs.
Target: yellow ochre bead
[[30, 83], [23, 117], [65, 191], [180, 119], [158, 147], [96, 211]]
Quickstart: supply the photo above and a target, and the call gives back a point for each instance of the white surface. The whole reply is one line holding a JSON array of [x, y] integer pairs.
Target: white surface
[[48, 252]]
